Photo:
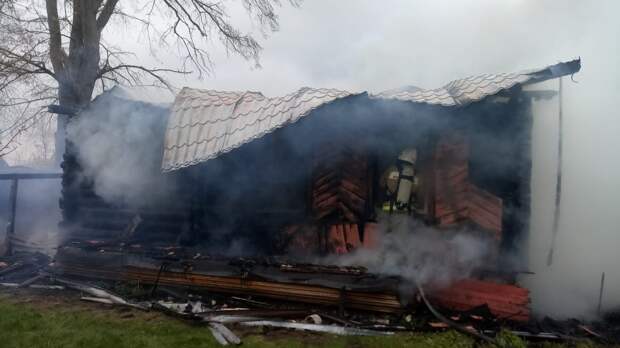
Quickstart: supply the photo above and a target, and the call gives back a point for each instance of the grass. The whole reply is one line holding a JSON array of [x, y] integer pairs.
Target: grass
[[32, 326]]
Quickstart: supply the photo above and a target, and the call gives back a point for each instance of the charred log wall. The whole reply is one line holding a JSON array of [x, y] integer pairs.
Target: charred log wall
[[88, 216], [246, 199], [500, 161]]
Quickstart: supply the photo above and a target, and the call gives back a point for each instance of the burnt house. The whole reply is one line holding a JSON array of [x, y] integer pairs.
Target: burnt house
[[313, 173]]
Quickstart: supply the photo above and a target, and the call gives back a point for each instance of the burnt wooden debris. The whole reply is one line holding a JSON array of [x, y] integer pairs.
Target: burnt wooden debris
[[457, 199], [198, 290], [341, 184], [331, 286]]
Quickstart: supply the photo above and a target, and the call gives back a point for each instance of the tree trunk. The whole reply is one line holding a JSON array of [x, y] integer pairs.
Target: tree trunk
[[59, 138], [71, 101], [78, 72], [76, 85]]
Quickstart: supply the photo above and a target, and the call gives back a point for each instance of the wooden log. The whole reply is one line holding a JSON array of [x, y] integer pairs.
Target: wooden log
[[353, 188], [336, 242], [327, 203], [352, 200], [347, 213], [372, 237], [352, 237], [318, 200], [325, 177], [325, 213]]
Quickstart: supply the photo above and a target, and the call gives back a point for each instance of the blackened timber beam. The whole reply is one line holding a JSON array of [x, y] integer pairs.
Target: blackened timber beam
[[385, 302], [28, 176], [62, 110]]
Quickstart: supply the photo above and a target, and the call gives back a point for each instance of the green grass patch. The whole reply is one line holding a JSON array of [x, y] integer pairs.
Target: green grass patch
[[23, 326], [29, 326]]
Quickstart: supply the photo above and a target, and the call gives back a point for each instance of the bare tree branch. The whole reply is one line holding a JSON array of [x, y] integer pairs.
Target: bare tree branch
[[53, 50], [155, 73], [106, 13], [57, 54]]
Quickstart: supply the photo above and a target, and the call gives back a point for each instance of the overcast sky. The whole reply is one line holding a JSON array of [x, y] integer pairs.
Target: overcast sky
[[376, 45]]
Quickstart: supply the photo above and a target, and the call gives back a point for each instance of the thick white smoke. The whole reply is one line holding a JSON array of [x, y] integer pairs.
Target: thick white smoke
[[119, 143], [416, 252]]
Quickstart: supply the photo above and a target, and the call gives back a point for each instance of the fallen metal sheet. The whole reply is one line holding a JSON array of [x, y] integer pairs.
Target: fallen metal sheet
[[34, 286], [218, 336], [262, 313], [223, 331], [100, 293], [237, 316], [530, 335], [332, 329], [97, 299], [189, 307], [229, 319]]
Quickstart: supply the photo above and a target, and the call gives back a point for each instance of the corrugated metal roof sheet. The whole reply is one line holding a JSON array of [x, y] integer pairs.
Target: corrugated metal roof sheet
[[475, 88], [204, 124]]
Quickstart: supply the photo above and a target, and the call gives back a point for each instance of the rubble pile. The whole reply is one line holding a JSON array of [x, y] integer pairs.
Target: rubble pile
[[303, 298]]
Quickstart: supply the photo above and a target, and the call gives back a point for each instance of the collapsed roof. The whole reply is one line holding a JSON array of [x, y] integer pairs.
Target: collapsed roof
[[205, 123]]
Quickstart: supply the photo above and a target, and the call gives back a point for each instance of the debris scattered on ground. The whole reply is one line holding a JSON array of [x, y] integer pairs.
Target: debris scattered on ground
[[222, 313]]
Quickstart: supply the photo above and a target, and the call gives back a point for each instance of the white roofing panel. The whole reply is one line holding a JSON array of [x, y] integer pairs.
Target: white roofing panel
[[475, 88], [204, 124]]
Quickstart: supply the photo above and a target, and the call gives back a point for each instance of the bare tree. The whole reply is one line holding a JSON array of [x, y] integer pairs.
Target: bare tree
[[54, 51]]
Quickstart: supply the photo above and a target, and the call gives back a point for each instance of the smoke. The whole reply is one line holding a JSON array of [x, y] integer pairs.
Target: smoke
[[411, 250], [119, 144], [37, 214], [587, 240]]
